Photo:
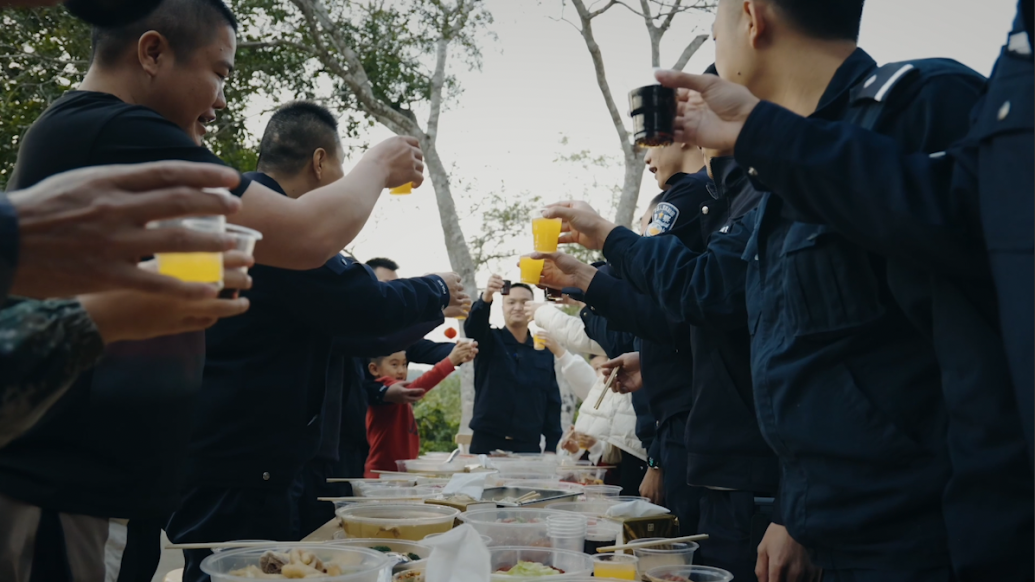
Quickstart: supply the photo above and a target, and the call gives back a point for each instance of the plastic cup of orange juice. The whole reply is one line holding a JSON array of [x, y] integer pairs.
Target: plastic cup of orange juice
[[545, 234], [617, 566], [194, 267], [406, 188], [531, 270]]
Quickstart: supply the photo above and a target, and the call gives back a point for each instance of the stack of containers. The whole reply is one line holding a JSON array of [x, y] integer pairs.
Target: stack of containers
[[567, 532]]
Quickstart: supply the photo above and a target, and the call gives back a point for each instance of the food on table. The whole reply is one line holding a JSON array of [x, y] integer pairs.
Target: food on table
[[523, 568], [520, 519], [296, 564], [401, 522], [403, 558], [409, 576], [673, 578]]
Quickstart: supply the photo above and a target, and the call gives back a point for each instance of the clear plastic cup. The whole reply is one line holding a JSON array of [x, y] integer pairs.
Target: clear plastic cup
[[618, 566], [531, 270], [244, 240], [567, 532], [545, 234], [193, 267], [669, 554], [599, 491], [538, 342]]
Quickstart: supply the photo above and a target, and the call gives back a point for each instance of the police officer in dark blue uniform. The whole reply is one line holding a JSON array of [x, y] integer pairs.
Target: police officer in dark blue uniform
[[517, 402], [847, 391], [258, 415], [927, 207], [923, 212], [664, 349]]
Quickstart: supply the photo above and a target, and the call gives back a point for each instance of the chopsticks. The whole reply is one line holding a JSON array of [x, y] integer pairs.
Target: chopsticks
[[657, 542], [607, 387]]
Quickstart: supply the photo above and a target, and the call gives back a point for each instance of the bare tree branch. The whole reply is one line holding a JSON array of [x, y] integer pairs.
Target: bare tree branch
[[354, 76], [601, 73], [689, 51], [279, 43], [667, 22], [607, 7]]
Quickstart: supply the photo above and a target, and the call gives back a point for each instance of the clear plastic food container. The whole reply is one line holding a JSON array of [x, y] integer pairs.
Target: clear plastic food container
[[354, 564], [506, 557], [415, 554], [688, 574], [399, 522], [511, 527], [377, 491], [435, 466]]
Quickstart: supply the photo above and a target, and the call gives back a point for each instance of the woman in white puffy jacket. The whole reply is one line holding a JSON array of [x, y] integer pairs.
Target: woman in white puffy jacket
[[614, 423]]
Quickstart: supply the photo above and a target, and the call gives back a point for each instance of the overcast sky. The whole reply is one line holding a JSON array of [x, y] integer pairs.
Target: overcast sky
[[537, 85]]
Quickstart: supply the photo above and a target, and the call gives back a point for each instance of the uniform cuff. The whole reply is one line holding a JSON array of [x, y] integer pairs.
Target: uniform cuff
[[600, 291], [616, 245], [443, 289]]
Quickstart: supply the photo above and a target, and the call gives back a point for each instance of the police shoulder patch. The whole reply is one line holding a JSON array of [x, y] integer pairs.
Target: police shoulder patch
[[663, 220]]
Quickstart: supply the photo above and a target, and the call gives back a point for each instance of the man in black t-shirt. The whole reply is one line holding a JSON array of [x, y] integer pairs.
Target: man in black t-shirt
[[113, 447]]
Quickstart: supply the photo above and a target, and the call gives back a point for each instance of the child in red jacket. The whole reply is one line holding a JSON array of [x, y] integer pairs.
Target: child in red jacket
[[391, 428]]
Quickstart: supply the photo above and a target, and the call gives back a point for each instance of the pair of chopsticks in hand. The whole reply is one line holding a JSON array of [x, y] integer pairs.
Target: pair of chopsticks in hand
[[607, 387]]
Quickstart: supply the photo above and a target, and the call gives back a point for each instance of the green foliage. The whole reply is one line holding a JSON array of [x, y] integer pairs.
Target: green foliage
[[438, 416], [46, 52]]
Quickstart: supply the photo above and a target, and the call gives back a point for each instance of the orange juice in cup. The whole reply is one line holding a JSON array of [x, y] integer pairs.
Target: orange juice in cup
[[617, 566], [406, 188], [531, 270], [538, 342], [194, 267], [545, 233]]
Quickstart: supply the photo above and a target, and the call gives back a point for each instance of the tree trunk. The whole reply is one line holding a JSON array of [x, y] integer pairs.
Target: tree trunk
[[459, 260], [624, 214], [456, 244]]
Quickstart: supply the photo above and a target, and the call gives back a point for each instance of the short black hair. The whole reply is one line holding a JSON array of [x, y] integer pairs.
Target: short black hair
[[824, 19], [383, 263], [186, 24], [377, 360], [522, 286], [294, 132]]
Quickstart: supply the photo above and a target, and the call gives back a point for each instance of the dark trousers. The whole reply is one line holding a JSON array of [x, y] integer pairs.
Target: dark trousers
[[683, 500], [484, 443], [211, 514], [313, 514], [351, 463], [630, 474], [735, 524], [143, 550], [932, 575]]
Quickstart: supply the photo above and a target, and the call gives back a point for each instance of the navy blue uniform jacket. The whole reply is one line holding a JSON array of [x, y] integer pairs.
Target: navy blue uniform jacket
[[515, 387], [257, 420], [925, 214], [847, 391]]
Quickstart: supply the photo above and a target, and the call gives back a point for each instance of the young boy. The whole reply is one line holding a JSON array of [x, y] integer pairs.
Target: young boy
[[391, 428]]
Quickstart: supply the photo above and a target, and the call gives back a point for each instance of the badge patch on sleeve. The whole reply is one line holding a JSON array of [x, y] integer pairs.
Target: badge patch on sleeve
[[663, 219]]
